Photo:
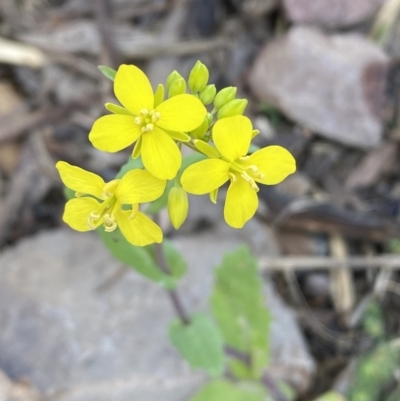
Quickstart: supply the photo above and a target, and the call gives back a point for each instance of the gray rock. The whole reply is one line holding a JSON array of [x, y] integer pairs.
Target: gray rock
[[79, 340], [331, 13], [333, 85]]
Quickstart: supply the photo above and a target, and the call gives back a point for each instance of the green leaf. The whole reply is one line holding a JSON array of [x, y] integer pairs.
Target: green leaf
[[131, 164], [331, 396], [137, 257], [223, 390], [200, 343], [238, 305], [108, 72], [375, 372]]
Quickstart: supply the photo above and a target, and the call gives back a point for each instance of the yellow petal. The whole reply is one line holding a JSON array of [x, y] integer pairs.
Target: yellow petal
[[114, 132], [182, 113], [232, 136], [160, 154], [117, 109], [178, 206], [241, 203], [139, 186], [275, 162], [140, 230], [80, 180], [77, 212], [133, 89], [205, 176]]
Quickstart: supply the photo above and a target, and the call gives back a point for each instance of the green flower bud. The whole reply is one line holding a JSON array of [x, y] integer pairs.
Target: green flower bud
[[177, 87], [198, 77], [234, 108], [178, 206], [224, 96], [199, 132], [171, 77], [207, 95]]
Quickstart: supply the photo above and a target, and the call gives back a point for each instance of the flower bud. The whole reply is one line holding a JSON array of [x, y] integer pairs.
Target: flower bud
[[198, 77], [207, 95], [234, 108], [177, 87], [178, 206], [159, 95], [224, 96], [171, 77], [199, 132]]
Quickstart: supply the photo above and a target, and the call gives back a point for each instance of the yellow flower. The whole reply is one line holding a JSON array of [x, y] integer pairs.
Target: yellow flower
[[152, 125], [104, 205], [232, 137]]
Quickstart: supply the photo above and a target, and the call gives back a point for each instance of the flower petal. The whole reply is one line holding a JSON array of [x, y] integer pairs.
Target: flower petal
[[114, 108], [275, 162], [133, 89], [140, 230], [205, 176], [182, 113], [232, 136], [77, 212], [241, 203], [80, 180], [160, 154], [139, 186], [114, 132]]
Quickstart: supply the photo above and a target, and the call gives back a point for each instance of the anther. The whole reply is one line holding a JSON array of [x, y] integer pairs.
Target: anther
[[144, 112], [109, 223], [232, 177], [244, 158], [138, 120], [253, 169]]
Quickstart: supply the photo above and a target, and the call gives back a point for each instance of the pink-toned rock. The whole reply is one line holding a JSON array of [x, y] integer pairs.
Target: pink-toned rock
[[331, 13], [334, 85]]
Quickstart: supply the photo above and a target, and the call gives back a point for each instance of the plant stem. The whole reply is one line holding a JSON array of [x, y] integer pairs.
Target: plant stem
[[184, 317], [173, 295]]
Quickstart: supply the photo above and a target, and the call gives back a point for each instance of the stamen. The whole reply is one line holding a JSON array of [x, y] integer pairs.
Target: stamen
[[244, 158], [138, 120], [93, 219], [232, 177], [156, 116], [253, 169], [135, 211], [250, 180], [109, 223], [144, 112]]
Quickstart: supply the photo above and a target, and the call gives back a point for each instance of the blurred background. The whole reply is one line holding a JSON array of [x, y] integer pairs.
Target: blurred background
[[322, 78]]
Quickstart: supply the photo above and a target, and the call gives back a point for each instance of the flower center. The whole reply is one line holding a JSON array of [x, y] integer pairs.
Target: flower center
[[106, 209], [248, 173], [147, 119]]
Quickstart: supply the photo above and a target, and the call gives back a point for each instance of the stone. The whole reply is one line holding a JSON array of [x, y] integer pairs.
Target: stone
[[331, 13], [77, 339], [333, 85]]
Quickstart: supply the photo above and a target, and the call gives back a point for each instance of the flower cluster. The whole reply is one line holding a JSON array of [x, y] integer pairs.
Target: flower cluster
[[158, 124]]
